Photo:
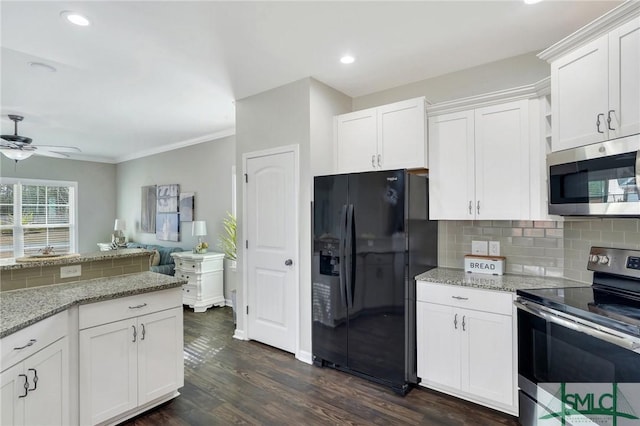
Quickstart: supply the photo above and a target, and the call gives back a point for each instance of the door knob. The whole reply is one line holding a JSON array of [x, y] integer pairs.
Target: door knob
[[288, 262]]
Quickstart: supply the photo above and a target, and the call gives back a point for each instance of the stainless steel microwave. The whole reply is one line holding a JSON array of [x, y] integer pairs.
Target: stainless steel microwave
[[600, 179]]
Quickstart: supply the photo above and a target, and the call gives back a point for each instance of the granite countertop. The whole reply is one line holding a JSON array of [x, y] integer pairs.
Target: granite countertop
[[21, 308], [73, 259], [507, 282]]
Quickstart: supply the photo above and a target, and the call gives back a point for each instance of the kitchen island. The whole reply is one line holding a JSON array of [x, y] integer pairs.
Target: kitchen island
[[21, 308], [100, 350]]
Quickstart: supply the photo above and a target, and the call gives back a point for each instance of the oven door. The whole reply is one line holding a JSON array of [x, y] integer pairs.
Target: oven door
[[600, 179], [562, 362]]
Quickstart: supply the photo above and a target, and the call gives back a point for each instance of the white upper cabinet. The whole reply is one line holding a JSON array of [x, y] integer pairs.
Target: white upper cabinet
[[624, 78], [452, 173], [595, 80], [480, 163], [579, 95], [383, 138]]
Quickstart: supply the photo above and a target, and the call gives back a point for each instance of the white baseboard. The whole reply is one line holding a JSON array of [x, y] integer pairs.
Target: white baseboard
[[239, 334], [305, 357]]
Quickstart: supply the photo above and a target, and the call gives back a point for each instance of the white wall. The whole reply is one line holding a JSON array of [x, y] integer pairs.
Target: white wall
[[96, 192], [504, 74], [300, 113], [204, 169]]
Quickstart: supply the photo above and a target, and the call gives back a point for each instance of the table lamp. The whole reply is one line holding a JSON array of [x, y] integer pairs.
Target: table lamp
[[118, 238], [199, 229]]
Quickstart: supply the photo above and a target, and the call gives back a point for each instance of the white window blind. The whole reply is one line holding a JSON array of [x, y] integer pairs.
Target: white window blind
[[35, 215]]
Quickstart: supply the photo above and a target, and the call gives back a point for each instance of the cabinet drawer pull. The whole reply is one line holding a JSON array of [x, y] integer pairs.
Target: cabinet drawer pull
[[598, 122], [470, 206], [138, 306], [373, 161], [478, 206], [35, 379], [29, 343], [26, 385], [143, 331], [459, 298], [455, 321], [379, 160], [135, 333], [463, 323]]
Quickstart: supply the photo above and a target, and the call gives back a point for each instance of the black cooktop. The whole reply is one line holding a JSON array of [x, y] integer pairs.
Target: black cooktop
[[612, 308]]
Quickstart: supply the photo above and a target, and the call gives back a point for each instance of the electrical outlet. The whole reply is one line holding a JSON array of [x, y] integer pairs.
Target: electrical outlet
[[479, 247], [494, 248], [70, 271]]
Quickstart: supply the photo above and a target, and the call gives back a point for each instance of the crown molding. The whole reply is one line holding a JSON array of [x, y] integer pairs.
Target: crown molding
[[596, 28], [529, 91], [182, 144]]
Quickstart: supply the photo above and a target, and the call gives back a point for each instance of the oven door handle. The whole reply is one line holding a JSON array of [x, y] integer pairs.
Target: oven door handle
[[577, 325]]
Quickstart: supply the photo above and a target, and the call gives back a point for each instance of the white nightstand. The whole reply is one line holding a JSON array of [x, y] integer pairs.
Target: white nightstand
[[205, 275]]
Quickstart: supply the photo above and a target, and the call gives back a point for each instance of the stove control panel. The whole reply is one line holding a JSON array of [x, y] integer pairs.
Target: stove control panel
[[622, 262], [633, 262]]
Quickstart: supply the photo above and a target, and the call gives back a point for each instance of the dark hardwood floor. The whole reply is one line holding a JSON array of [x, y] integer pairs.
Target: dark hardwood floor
[[228, 381]]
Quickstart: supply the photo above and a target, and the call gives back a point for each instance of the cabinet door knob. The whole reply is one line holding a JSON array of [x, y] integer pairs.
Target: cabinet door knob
[[288, 262]]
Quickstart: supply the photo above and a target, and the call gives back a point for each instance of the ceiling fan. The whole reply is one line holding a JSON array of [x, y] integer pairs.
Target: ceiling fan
[[18, 147]]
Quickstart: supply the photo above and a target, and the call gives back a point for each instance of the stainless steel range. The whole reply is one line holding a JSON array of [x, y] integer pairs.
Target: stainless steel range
[[579, 347]]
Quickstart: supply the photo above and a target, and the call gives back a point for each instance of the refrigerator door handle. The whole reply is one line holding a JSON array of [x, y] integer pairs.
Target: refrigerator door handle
[[341, 255], [348, 255]]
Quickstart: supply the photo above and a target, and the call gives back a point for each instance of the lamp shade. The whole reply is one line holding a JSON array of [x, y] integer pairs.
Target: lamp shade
[[120, 225], [199, 228], [16, 154]]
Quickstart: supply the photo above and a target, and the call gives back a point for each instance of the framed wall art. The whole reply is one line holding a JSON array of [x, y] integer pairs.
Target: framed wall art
[[187, 200], [167, 200], [168, 227], [148, 209]]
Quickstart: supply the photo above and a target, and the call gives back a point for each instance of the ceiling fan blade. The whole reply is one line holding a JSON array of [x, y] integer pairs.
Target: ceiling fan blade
[[7, 144], [58, 148], [50, 154]]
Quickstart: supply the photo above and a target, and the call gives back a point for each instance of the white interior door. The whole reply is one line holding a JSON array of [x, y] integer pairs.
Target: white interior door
[[271, 248]]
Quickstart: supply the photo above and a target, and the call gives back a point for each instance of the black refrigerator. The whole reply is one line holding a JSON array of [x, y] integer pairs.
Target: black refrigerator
[[371, 237]]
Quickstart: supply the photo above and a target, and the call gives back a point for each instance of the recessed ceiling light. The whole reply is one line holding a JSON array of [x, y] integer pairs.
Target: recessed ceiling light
[[532, 1], [41, 66], [75, 18], [347, 59]]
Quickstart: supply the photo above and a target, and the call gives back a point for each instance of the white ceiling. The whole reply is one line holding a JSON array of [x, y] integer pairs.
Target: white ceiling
[[147, 76]]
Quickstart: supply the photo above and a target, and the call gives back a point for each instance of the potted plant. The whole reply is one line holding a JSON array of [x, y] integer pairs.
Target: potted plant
[[228, 240], [227, 243]]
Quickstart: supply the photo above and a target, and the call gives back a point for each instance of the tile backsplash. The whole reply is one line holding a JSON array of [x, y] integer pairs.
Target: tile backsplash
[[543, 248]]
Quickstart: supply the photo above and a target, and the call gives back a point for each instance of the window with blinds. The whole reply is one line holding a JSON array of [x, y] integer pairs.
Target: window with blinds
[[35, 215]]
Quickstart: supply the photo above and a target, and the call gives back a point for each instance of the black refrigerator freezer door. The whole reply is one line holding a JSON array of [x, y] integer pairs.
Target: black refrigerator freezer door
[[377, 294], [329, 304]]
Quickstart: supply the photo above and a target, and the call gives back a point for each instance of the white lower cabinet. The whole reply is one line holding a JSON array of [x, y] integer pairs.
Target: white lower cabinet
[[131, 355], [465, 344], [35, 388]]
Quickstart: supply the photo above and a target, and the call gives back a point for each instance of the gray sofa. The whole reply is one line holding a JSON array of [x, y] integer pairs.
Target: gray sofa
[[166, 265]]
